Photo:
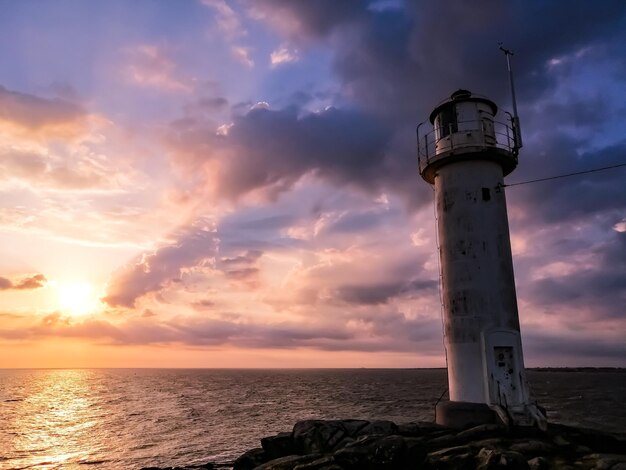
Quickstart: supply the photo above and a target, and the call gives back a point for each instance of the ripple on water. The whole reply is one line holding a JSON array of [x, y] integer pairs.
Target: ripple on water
[[133, 418]]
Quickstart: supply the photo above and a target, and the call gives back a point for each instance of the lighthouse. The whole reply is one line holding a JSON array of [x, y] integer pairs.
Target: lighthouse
[[465, 154]]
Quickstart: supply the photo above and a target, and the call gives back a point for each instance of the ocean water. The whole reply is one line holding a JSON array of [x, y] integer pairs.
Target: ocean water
[[131, 418]]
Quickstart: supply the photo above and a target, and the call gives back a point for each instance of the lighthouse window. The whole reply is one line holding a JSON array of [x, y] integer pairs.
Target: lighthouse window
[[486, 194], [447, 120]]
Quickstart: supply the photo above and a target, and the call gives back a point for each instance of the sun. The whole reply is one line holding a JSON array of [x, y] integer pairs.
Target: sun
[[77, 298]]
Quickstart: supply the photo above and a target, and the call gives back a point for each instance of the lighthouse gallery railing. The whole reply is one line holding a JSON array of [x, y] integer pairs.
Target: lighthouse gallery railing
[[499, 135]]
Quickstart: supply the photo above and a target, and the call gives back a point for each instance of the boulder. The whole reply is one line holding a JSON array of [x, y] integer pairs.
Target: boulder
[[538, 463], [353, 426], [250, 459], [532, 447], [325, 463], [418, 429], [364, 445], [490, 459], [381, 452], [378, 428], [279, 445], [482, 431], [289, 462], [325, 436], [605, 461]]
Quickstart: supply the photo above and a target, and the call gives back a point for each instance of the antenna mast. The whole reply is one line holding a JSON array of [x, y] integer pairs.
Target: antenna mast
[[517, 131]]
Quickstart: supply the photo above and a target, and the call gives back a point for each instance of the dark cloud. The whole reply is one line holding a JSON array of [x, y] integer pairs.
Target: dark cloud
[[312, 20], [393, 66], [600, 290], [213, 103], [150, 272], [242, 267], [403, 61], [271, 150], [549, 346], [372, 294], [573, 197], [32, 282]]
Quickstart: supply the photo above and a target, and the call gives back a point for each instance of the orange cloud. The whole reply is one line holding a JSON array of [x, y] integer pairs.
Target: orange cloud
[[31, 282], [21, 113]]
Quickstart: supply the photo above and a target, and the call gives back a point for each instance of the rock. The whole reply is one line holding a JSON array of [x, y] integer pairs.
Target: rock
[[462, 461], [561, 441], [605, 461], [288, 462], [532, 447], [411, 429], [538, 463], [491, 443], [447, 440], [382, 428], [450, 451], [279, 445], [381, 452], [389, 451], [353, 426], [203, 466], [250, 459], [364, 445], [490, 459], [481, 432], [317, 436], [325, 463]]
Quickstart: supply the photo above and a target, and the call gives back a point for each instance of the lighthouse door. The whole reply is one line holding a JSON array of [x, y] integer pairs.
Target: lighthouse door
[[505, 375]]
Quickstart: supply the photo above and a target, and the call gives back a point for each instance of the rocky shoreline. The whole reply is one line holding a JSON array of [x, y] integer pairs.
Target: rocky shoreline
[[373, 445]]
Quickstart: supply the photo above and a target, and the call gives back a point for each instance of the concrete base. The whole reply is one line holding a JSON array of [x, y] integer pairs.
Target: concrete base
[[462, 414]]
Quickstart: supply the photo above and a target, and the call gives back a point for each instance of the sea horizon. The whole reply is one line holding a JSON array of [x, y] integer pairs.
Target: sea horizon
[[164, 417]]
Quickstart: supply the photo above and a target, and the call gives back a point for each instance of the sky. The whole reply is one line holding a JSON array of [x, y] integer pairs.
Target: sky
[[234, 183]]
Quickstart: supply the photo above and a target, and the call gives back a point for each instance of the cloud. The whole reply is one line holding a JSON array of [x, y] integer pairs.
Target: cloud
[[242, 55], [374, 333], [283, 55], [150, 66], [596, 289], [242, 267], [309, 19], [269, 151], [372, 294], [48, 171], [226, 18], [31, 282], [22, 112], [193, 246]]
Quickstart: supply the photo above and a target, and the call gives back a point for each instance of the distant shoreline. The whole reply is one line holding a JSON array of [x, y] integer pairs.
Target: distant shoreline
[[535, 369]]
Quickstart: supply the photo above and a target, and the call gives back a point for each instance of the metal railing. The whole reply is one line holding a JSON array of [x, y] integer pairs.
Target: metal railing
[[479, 133]]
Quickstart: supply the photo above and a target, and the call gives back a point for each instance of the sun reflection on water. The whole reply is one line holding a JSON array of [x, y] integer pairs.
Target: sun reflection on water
[[52, 424]]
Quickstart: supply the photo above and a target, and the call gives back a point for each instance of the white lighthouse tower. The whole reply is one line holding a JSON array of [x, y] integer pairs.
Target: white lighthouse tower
[[465, 156]]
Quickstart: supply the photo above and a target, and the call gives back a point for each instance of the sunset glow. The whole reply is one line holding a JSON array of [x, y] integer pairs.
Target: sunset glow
[[217, 183], [77, 298]]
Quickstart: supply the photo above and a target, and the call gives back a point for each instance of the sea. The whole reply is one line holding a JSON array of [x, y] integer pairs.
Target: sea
[[133, 418]]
